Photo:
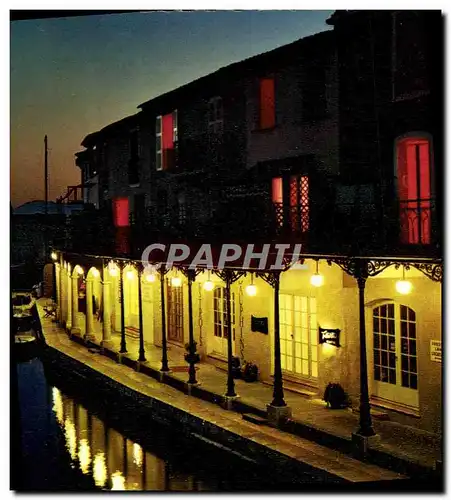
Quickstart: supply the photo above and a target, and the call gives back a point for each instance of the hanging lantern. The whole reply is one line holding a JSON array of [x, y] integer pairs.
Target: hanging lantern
[[151, 277], [112, 268], [317, 279], [209, 285], [404, 287], [176, 281], [251, 289]]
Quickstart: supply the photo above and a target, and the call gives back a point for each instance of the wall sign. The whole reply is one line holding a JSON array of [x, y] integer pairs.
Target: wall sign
[[259, 325], [329, 336], [436, 350]]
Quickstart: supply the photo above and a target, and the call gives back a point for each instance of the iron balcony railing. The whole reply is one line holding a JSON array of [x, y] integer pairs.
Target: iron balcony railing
[[417, 221]]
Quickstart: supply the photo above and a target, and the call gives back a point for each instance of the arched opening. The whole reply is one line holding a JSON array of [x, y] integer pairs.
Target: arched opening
[[131, 302], [394, 357]]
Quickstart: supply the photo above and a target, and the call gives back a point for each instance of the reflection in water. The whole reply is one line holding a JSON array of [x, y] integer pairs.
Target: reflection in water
[[99, 470], [113, 461]]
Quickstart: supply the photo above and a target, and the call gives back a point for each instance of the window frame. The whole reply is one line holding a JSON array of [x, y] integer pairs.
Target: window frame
[[421, 136], [215, 120], [259, 126]]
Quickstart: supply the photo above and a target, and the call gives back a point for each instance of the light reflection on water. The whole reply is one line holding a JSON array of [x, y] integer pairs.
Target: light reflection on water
[[113, 461]]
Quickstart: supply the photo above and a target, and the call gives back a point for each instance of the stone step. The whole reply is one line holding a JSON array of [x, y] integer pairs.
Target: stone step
[[255, 419], [376, 414], [297, 389]]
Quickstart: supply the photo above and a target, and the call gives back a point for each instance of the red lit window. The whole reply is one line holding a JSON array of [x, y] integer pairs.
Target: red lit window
[[414, 190], [120, 212], [277, 199], [299, 203], [267, 103], [166, 139], [277, 193]]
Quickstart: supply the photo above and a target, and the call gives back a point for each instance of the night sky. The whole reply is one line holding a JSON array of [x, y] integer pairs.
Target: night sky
[[72, 76]]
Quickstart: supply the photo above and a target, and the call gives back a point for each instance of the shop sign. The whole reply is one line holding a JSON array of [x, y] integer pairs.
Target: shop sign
[[436, 350], [329, 336], [259, 325]]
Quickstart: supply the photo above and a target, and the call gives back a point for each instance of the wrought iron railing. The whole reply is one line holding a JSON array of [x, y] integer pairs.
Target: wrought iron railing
[[416, 219]]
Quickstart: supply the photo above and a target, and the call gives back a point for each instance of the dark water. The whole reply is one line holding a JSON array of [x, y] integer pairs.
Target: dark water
[[70, 443]]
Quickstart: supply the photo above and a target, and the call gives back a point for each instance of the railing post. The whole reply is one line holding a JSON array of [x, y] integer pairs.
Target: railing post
[[192, 348], [123, 348], [164, 358], [230, 381], [278, 399], [365, 424], [142, 356]]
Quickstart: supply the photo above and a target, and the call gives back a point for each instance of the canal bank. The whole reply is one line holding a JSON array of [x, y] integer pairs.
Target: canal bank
[[272, 448], [74, 440]]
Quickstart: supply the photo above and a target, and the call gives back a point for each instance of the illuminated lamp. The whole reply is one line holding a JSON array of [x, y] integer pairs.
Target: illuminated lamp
[[176, 281], [53, 255], [130, 275], [112, 268], [404, 287], [209, 285], [317, 279], [95, 273], [79, 270], [151, 277], [251, 289]]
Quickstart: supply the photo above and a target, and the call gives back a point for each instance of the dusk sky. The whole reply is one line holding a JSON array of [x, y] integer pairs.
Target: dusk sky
[[72, 76]]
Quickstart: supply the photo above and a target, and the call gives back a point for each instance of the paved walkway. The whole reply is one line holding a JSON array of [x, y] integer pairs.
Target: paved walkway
[[301, 450], [400, 441]]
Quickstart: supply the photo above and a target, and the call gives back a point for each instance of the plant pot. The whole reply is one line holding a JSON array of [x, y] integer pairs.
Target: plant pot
[[250, 372]]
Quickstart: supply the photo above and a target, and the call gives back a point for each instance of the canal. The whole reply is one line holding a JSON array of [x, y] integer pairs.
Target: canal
[[66, 440]]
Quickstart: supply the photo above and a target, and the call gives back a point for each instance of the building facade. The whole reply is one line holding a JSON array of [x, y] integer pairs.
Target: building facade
[[332, 142]]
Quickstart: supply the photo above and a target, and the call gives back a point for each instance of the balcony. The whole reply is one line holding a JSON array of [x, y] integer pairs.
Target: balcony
[[358, 229]]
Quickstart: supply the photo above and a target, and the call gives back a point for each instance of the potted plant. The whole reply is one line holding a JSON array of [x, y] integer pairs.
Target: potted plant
[[335, 396], [192, 356], [249, 371]]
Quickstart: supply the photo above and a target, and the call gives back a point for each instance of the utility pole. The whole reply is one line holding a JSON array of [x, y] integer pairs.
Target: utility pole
[[46, 176]]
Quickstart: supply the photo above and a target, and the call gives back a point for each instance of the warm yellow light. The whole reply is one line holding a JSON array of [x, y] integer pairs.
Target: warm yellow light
[[209, 285], [113, 270], [53, 255], [71, 438], [84, 455], [137, 454], [176, 281], [95, 273], [151, 277], [80, 270], [118, 481], [317, 280], [251, 290], [99, 470], [328, 350], [58, 405], [404, 287], [130, 275]]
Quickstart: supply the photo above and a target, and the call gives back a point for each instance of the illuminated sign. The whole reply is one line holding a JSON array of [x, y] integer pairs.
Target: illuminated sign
[[329, 336]]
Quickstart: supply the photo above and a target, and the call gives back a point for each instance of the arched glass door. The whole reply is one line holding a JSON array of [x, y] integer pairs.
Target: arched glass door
[[395, 366]]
